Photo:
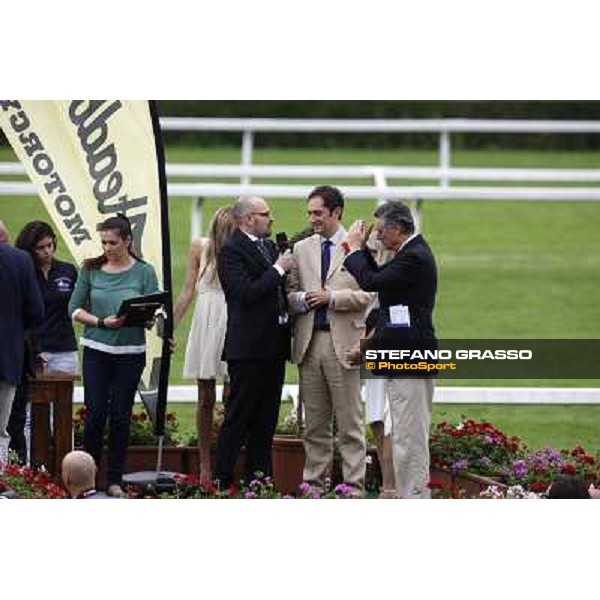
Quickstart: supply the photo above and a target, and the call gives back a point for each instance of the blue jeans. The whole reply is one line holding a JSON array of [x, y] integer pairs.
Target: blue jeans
[[110, 382]]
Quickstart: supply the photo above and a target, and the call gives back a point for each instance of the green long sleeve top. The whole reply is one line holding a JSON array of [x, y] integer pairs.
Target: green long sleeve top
[[101, 294]]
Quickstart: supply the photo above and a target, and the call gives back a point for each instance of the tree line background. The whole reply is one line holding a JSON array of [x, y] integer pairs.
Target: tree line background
[[385, 109], [389, 109]]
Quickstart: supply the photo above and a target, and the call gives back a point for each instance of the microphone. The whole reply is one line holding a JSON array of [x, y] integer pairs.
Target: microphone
[[281, 240]]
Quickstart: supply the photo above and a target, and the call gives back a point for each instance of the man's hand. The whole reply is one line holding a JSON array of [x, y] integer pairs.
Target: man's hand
[[357, 235], [286, 261], [315, 300], [353, 355]]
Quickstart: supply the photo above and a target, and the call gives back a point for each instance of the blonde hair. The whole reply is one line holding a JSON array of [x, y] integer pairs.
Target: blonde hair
[[220, 228]]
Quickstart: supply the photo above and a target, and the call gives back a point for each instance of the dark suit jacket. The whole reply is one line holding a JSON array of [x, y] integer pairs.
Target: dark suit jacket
[[250, 284], [21, 308], [410, 278]]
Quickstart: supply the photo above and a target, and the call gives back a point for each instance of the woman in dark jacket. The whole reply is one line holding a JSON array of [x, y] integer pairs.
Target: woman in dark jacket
[[51, 345]]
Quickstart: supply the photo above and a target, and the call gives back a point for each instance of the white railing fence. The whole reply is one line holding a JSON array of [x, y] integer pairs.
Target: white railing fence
[[442, 395]]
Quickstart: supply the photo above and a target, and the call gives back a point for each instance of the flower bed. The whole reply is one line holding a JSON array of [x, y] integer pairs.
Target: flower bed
[[535, 470], [141, 431], [25, 482], [467, 458], [188, 487], [481, 449]]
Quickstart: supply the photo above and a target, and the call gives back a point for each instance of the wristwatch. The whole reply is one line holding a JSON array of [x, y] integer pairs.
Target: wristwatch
[[100, 323]]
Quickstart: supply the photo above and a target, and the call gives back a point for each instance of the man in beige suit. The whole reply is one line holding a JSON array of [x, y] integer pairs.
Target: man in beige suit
[[330, 310]]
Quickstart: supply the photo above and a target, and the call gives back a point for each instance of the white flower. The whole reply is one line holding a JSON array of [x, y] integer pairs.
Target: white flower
[[492, 492]]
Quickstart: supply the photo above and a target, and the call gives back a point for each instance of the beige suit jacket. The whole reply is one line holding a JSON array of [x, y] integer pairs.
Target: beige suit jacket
[[346, 318]]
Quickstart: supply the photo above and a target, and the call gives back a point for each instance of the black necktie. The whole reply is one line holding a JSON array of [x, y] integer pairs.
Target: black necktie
[[321, 313], [262, 248]]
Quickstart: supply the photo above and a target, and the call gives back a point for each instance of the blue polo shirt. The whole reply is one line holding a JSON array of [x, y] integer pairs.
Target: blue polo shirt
[[55, 333]]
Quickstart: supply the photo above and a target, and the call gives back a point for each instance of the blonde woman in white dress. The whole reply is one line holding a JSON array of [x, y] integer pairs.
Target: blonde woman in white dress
[[207, 334]]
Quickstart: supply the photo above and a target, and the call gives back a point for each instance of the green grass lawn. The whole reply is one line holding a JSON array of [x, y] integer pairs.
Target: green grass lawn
[[539, 426], [506, 269]]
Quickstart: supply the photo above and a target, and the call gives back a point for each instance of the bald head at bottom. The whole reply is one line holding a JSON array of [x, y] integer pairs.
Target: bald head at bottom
[[78, 470]]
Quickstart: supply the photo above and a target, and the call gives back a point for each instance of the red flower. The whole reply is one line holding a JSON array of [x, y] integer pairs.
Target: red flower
[[435, 484], [539, 487], [208, 487], [577, 451], [568, 470]]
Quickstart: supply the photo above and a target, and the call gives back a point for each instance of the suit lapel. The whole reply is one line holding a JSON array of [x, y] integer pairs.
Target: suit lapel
[[250, 248], [313, 260], [337, 258]]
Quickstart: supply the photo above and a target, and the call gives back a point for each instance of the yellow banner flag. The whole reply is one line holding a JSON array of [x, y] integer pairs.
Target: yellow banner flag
[[89, 160]]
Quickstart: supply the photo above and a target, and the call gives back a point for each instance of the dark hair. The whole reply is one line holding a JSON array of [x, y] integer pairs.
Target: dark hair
[[32, 234], [332, 197], [568, 487], [396, 214], [121, 224]]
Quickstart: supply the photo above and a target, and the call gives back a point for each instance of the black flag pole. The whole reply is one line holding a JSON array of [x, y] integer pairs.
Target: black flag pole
[[159, 479], [167, 336]]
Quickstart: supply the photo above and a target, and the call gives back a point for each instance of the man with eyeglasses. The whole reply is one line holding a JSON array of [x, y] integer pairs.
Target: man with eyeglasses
[[257, 342]]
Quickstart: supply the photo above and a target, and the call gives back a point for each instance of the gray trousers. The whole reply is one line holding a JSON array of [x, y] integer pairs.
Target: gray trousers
[[7, 395], [410, 406]]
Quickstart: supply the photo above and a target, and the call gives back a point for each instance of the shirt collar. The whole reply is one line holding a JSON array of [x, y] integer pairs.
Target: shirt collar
[[412, 237], [85, 494], [250, 235], [336, 238]]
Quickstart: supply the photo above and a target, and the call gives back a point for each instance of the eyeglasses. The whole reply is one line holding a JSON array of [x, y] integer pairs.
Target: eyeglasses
[[262, 214]]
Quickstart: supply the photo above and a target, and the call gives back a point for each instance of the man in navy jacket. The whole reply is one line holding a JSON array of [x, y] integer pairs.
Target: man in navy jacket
[[406, 286], [21, 307]]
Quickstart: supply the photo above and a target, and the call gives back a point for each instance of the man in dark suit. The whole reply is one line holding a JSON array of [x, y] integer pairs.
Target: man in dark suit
[[406, 286], [257, 342], [21, 307]]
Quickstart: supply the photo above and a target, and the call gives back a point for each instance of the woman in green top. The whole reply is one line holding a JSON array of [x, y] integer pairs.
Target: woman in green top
[[113, 356]]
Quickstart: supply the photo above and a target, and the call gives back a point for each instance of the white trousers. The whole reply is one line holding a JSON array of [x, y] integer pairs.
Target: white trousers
[[410, 405]]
